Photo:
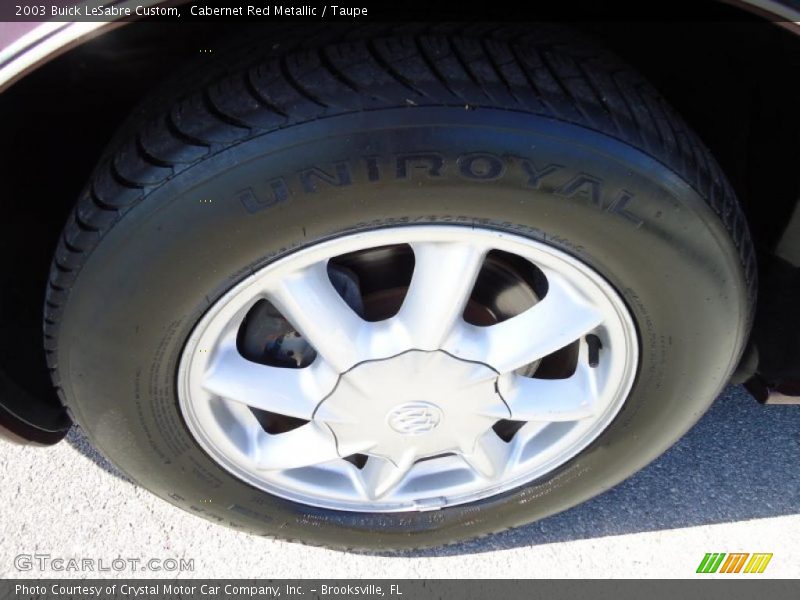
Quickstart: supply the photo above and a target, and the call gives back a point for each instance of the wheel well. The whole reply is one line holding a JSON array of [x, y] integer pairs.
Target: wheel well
[[732, 81]]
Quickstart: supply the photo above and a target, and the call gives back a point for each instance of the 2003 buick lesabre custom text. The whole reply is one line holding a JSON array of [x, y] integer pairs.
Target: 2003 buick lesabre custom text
[[100, 11]]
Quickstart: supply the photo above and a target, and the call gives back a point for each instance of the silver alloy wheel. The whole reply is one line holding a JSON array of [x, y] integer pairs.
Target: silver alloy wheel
[[416, 394]]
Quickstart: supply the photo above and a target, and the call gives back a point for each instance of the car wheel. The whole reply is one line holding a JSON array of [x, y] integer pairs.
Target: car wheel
[[398, 290]]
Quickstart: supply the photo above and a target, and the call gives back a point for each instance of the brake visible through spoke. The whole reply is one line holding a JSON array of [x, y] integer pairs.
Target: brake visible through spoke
[[560, 318], [291, 392]]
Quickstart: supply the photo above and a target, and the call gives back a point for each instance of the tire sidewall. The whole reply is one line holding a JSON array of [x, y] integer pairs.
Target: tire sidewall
[[139, 295]]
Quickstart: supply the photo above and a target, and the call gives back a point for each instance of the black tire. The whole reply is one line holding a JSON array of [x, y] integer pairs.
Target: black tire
[[515, 129]]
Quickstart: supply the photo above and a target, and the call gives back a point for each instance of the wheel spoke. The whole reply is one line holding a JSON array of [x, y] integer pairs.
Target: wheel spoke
[[570, 399], [489, 456], [548, 399], [309, 444], [292, 392], [380, 475], [444, 275], [310, 303], [243, 427], [560, 318]]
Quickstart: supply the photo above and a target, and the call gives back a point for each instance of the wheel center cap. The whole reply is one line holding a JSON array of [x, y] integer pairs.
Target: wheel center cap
[[381, 407], [414, 418]]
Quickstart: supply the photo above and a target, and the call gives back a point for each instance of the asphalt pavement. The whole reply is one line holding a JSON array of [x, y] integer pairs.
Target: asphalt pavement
[[731, 485]]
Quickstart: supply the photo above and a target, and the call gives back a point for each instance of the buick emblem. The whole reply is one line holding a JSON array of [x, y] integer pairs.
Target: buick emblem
[[414, 418]]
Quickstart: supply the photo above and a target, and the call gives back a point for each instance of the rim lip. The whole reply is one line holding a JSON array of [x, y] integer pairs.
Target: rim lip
[[364, 240]]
